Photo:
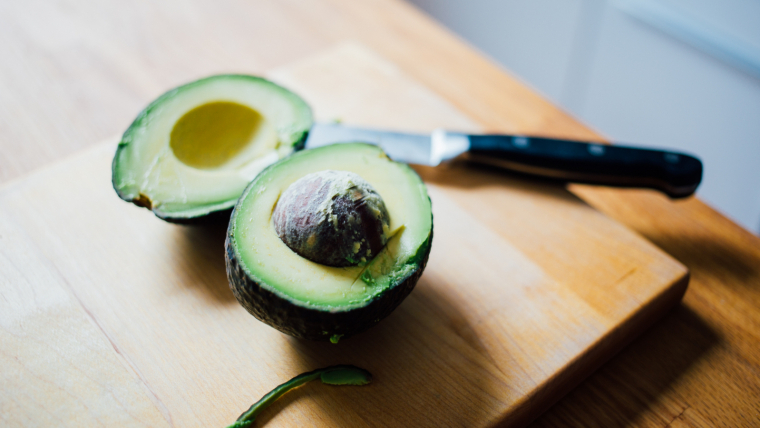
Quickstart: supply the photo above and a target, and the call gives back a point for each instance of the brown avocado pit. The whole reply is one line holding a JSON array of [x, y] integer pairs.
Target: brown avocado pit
[[335, 218]]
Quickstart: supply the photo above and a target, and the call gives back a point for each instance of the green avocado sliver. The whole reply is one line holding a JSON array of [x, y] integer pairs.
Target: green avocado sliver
[[333, 375]]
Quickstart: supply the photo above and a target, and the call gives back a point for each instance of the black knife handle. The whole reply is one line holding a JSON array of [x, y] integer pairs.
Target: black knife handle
[[676, 174]]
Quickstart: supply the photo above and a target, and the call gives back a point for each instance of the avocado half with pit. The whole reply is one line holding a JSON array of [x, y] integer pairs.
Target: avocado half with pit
[[327, 242], [192, 151]]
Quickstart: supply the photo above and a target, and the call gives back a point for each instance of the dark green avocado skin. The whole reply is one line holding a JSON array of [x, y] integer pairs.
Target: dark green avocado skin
[[214, 218], [310, 323]]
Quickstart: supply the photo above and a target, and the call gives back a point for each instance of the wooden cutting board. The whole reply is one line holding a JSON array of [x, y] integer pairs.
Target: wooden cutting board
[[110, 316]]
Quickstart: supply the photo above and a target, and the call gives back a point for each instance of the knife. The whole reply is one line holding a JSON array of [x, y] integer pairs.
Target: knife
[[676, 174]]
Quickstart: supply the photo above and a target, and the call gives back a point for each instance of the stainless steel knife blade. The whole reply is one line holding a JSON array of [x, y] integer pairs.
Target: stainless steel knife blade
[[418, 149]]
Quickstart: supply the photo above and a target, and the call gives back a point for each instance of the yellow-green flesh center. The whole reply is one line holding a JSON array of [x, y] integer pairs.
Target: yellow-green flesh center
[[212, 135]]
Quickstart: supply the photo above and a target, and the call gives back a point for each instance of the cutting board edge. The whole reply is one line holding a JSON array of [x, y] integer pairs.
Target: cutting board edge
[[532, 406]]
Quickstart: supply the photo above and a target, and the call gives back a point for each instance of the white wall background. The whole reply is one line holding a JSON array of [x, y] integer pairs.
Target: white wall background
[[681, 74]]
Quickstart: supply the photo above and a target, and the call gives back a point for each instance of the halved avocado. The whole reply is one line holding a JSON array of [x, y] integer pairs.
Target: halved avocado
[[311, 300], [192, 151]]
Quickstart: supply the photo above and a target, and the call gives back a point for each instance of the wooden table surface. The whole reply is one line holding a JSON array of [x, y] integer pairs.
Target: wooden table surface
[[75, 72]]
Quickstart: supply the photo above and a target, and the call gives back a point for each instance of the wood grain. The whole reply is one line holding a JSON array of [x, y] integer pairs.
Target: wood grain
[[527, 290], [77, 71]]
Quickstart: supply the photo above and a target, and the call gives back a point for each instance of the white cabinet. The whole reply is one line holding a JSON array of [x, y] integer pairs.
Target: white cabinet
[[660, 73]]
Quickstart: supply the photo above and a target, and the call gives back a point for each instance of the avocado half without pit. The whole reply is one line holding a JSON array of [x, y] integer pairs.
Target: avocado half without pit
[[327, 242], [192, 151]]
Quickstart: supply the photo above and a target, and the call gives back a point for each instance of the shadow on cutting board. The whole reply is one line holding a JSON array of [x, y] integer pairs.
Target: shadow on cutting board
[[201, 250], [471, 176], [429, 368]]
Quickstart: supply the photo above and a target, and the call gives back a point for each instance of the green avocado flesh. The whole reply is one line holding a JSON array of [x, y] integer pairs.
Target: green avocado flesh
[[276, 284], [193, 150]]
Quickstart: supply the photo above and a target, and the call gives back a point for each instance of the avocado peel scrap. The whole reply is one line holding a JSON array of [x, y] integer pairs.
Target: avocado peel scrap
[[333, 375]]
